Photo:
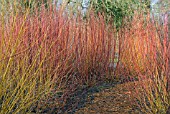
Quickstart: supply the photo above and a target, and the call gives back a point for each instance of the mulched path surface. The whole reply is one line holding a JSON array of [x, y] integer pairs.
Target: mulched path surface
[[104, 98]]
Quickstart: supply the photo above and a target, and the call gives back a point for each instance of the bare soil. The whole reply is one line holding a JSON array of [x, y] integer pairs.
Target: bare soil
[[116, 99]]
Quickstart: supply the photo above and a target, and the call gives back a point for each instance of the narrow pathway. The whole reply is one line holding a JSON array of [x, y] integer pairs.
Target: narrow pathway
[[112, 100]]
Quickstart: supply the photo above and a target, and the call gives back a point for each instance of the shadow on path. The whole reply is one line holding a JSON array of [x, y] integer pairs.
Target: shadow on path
[[84, 96]]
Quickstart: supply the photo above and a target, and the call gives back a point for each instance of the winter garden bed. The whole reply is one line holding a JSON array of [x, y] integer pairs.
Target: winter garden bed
[[55, 63]]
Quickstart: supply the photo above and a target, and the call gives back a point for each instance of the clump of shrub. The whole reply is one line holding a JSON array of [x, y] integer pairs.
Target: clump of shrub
[[50, 54], [23, 76], [145, 55]]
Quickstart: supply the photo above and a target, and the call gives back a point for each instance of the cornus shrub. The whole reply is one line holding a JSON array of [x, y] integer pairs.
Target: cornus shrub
[[137, 45], [145, 56], [24, 75], [48, 54]]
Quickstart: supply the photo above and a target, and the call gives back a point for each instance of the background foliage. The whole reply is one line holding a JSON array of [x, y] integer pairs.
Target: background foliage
[[116, 10]]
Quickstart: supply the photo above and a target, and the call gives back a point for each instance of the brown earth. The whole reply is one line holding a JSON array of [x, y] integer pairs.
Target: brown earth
[[103, 98], [111, 99]]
